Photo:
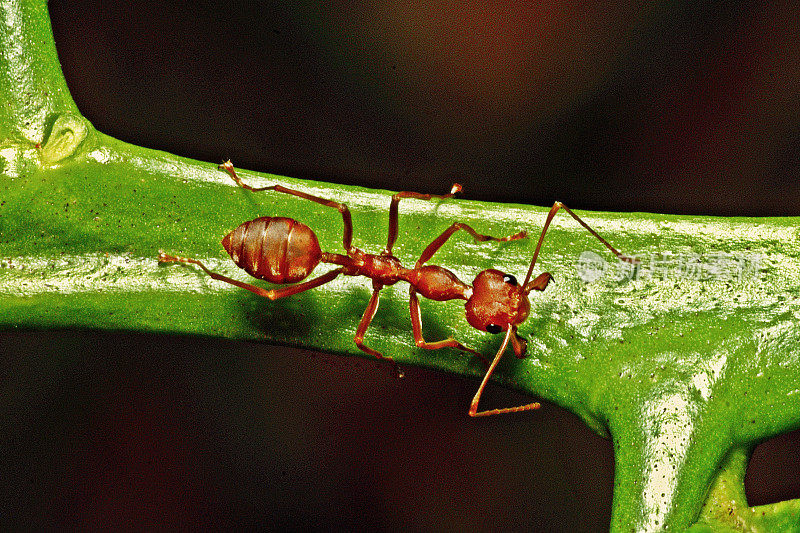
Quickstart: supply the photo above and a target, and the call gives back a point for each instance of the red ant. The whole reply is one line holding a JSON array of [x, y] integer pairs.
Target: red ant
[[282, 250]]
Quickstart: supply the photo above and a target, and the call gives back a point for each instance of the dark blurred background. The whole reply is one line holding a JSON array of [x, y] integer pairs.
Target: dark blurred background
[[672, 107], [669, 107]]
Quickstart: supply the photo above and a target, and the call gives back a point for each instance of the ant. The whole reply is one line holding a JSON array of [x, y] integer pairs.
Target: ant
[[281, 250]]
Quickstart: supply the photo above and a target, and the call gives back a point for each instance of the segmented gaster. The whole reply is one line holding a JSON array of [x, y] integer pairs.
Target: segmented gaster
[[275, 249]]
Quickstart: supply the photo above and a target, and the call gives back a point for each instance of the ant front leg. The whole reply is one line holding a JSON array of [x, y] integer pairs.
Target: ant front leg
[[272, 294], [347, 238], [441, 239], [366, 320], [419, 340], [473, 408]]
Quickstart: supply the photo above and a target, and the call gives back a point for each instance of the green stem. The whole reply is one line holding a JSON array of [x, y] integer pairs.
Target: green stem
[[726, 505], [32, 87]]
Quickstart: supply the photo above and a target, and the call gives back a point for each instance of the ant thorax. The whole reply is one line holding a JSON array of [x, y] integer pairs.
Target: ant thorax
[[438, 283]]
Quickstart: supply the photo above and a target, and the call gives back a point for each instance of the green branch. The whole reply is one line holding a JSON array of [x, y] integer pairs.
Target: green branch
[[684, 369]]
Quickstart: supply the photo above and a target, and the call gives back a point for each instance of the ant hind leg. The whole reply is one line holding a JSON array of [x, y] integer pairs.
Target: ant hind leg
[[272, 294], [366, 320], [347, 238], [393, 210]]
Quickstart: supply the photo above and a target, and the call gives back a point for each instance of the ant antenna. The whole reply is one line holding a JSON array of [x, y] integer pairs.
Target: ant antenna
[[548, 220]]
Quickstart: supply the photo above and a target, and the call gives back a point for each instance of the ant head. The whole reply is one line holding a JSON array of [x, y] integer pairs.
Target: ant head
[[498, 303]]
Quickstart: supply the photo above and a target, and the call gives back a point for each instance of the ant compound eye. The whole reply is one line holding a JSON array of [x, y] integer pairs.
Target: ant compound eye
[[493, 328], [511, 280]]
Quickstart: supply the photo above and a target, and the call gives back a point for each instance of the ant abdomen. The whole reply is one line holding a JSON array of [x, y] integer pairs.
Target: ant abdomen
[[275, 249]]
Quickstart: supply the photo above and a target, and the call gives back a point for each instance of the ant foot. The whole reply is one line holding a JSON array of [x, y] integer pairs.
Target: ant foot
[[165, 258]]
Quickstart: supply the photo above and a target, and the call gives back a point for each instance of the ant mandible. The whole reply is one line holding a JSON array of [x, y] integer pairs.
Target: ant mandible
[[281, 250]]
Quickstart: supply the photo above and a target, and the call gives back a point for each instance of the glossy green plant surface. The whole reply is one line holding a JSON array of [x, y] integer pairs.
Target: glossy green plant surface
[[686, 364]]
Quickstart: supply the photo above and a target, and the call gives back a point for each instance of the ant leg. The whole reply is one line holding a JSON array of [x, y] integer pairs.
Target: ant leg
[[473, 408], [393, 216], [272, 294], [549, 219], [416, 324], [441, 239], [348, 223], [366, 320]]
